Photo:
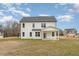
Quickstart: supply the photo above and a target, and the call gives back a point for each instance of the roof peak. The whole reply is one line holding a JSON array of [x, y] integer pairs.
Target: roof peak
[[39, 19], [39, 16]]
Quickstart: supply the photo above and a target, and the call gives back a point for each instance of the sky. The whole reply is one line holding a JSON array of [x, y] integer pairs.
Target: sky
[[67, 15]]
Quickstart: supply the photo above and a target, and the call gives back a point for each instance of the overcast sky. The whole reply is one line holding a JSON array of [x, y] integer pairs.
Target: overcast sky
[[67, 15]]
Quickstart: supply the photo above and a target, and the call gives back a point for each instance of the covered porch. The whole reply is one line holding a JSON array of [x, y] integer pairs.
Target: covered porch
[[50, 33]]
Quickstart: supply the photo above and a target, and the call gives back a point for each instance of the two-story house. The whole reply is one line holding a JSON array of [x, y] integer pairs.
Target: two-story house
[[41, 27]]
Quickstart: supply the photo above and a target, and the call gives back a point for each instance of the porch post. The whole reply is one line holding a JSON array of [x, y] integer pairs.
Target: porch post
[[55, 34], [42, 35], [58, 34]]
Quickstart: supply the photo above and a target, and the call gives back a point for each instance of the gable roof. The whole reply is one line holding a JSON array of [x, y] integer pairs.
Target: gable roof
[[72, 29], [39, 19]]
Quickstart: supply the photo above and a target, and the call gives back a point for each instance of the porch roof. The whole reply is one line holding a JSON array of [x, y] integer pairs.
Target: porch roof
[[36, 29], [54, 29]]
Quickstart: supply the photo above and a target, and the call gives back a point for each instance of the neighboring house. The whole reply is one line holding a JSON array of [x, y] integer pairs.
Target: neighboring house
[[41, 27], [1, 33], [70, 32], [77, 34]]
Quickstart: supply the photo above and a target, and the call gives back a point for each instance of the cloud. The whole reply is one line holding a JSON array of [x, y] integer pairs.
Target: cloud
[[25, 15], [62, 4], [11, 4], [28, 9], [20, 12], [70, 10], [15, 9], [1, 14], [74, 9], [11, 12], [65, 18], [7, 19], [44, 15]]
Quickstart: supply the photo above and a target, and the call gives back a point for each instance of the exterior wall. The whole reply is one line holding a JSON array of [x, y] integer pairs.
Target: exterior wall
[[53, 24], [28, 28]]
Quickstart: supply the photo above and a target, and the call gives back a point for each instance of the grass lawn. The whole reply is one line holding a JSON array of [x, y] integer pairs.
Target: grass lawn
[[39, 47]]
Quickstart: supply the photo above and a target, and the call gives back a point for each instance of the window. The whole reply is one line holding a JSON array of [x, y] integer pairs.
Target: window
[[23, 25], [30, 34], [33, 25], [43, 25], [23, 34], [37, 34], [52, 33]]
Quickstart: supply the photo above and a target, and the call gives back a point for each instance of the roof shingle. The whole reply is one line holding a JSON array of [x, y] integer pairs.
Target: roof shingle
[[39, 19]]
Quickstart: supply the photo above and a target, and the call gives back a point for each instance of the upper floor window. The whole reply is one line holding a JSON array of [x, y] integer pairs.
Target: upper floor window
[[43, 25], [33, 25], [23, 25]]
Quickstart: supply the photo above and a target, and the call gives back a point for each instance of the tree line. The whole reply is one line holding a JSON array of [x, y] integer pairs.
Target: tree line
[[11, 28]]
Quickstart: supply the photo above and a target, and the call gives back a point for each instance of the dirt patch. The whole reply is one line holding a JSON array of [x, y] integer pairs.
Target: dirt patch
[[7, 45]]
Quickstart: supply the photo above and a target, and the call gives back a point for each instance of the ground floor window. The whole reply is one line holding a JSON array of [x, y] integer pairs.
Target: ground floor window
[[37, 34], [23, 34], [30, 34], [52, 33]]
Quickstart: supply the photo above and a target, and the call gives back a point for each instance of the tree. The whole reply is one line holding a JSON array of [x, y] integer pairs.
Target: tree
[[12, 29]]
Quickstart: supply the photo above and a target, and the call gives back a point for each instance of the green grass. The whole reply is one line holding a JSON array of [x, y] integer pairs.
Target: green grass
[[39, 47]]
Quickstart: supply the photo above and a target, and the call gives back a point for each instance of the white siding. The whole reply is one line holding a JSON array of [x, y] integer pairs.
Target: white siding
[[28, 28], [53, 24]]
